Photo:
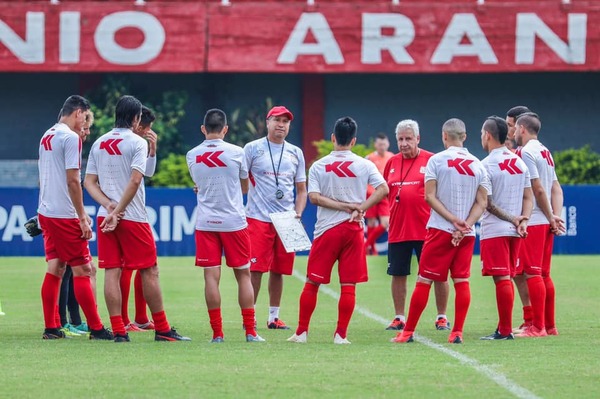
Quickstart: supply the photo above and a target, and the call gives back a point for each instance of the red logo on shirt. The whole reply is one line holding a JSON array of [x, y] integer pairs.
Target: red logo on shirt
[[548, 157], [461, 165], [47, 142], [510, 165], [342, 169], [211, 159], [111, 146]]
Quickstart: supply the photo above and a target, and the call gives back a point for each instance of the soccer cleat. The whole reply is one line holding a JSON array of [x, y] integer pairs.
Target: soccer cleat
[[442, 323], [144, 326], [497, 336], [338, 340], [122, 338], [552, 331], [254, 338], [522, 327], [300, 339], [532, 332], [83, 327], [277, 324], [217, 340], [396, 324], [171, 335], [102, 334], [132, 328], [74, 331], [68, 334], [403, 337], [53, 333], [455, 338]]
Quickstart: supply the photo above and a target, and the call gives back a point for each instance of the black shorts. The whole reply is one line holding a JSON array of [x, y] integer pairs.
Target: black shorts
[[400, 255]]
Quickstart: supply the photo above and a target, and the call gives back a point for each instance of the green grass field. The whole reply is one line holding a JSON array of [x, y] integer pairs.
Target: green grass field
[[566, 366]]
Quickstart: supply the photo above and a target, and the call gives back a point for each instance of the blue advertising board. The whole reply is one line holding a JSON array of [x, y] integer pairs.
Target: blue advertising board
[[172, 216]]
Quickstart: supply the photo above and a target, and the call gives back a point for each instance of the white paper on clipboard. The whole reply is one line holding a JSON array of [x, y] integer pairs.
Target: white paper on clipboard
[[291, 231]]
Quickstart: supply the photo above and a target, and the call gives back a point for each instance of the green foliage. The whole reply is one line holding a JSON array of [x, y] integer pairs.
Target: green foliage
[[577, 166], [248, 123], [324, 147], [172, 171]]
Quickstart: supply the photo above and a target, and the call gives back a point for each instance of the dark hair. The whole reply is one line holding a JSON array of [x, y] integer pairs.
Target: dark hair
[[127, 109], [72, 104], [497, 127], [381, 136], [345, 130], [517, 111], [147, 116], [531, 122], [214, 120]]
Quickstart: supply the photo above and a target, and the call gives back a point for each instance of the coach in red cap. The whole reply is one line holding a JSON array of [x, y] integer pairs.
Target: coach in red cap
[[276, 167]]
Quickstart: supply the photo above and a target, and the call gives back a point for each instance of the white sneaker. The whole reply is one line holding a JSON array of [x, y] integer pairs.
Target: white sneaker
[[300, 339], [254, 338], [339, 340]]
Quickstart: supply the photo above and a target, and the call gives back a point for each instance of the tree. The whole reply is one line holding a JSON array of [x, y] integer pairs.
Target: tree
[[577, 166]]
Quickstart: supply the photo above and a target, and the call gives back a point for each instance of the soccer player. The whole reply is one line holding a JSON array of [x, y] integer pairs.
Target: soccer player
[[141, 321], [276, 167], [456, 188], [511, 119], [378, 216], [545, 222], [505, 221], [65, 225], [337, 184], [219, 171], [404, 174], [115, 179]]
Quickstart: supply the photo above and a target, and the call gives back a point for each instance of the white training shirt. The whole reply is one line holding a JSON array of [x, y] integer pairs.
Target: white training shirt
[[60, 149], [459, 175], [113, 157], [216, 168], [262, 193], [541, 166], [342, 176], [509, 177]]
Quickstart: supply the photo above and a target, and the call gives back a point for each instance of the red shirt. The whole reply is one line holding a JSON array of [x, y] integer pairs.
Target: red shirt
[[408, 210]]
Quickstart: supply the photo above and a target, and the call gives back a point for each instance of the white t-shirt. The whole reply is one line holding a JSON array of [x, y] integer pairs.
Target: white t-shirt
[[342, 176], [60, 149], [263, 166], [216, 168], [541, 166], [509, 177], [113, 157], [459, 175]]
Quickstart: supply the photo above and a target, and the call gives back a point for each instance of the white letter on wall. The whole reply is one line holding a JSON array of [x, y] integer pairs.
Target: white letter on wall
[[32, 49], [69, 38], [374, 43]]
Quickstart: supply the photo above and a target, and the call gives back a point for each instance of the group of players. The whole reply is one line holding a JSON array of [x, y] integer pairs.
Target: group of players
[[454, 184]]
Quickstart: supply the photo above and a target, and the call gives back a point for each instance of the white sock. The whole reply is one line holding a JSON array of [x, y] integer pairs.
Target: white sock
[[401, 317], [273, 313], [441, 316]]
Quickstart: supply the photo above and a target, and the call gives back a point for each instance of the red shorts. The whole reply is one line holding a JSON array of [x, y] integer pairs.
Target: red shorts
[[343, 243], [131, 246], [439, 256], [210, 246], [62, 241], [500, 256], [267, 251], [382, 208], [536, 252]]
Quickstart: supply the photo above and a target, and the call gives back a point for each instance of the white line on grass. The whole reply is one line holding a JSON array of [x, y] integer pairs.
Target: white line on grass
[[488, 372]]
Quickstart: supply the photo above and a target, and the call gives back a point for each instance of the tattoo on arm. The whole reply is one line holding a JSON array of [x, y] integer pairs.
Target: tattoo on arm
[[498, 212]]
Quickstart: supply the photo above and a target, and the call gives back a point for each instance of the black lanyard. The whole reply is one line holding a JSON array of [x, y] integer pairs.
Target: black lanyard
[[276, 172]]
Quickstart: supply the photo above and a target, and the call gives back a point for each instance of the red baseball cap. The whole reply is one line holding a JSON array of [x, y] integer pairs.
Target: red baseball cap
[[280, 110]]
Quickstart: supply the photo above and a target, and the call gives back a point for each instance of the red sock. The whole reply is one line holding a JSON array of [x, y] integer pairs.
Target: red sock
[[116, 322], [216, 322], [308, 303], [125, 284], [505, 298], [160, 322], [462, 300], [57, 315], [527, 314], [85, 298], [550, 302], [345, 309], [141, 315], [418, 302], [537, 295], [248, 318], [50, 288], [374, 234]]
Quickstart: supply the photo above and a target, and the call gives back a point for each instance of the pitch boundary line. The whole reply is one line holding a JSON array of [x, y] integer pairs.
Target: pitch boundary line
[[483, 369]]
